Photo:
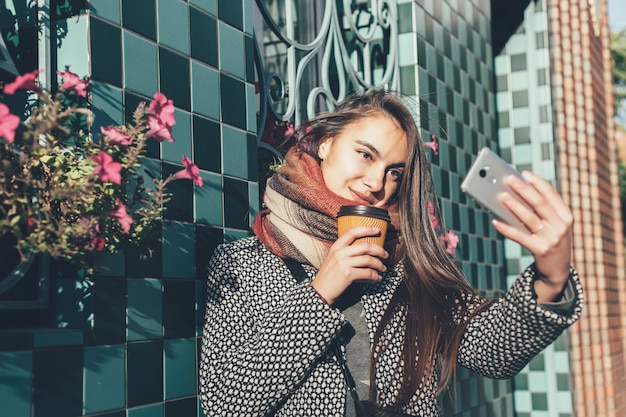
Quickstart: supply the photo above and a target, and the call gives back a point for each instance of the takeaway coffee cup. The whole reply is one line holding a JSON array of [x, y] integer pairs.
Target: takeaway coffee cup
[[351, 216]]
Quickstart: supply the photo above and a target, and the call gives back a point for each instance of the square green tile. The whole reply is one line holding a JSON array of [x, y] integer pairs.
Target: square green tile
[[231, 12], [179, 308], [140, 17], [58, 382], [180, 205], [16, 383], [174, 151], [207, 239], [539, 401], [233, 101], [209, 203], [105, 52], [203, 37], [181, 407], [106, 9], [140, 64], [178, 240], [144, 311], [205, 90], [236, 204], [207, 148], [106, 104], [175, 79], [537, 363], [232, 50], [179, 368], [104, 378], [407, 80], [144, 372], [173, 24], [235, 152]]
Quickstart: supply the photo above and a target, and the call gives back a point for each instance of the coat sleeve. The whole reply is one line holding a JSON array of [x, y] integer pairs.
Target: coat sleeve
[[502, 338], [256, 352]]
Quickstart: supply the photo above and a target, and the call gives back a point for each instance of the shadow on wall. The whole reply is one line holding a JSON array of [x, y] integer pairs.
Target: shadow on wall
[[506, 17]]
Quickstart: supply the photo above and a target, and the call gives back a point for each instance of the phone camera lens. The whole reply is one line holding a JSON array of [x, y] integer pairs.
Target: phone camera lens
[[482, 173]]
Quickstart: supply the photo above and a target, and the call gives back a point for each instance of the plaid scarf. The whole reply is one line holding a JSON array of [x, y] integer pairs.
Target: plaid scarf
[[300, 221]]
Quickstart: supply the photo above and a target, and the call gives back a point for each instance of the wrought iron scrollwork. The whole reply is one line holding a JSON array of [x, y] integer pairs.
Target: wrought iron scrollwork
[[311, 54]]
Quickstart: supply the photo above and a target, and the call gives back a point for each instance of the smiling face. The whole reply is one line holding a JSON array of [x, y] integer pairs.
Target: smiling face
[[365, 162]]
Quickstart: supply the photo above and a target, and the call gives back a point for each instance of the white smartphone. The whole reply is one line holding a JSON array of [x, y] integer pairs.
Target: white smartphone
[[484, 182]]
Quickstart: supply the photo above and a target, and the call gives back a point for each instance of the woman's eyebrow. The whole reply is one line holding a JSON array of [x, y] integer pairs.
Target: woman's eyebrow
[[375, 151], [369, 146]]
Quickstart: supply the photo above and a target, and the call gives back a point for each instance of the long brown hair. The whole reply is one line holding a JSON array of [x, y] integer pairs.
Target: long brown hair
[[431, 291]]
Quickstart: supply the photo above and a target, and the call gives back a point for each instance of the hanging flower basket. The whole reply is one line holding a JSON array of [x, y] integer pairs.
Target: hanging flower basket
[[70, 192]]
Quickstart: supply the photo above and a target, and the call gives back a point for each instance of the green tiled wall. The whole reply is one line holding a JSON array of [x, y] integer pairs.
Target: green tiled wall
[[527, 141], [452, 84], [131, 349]]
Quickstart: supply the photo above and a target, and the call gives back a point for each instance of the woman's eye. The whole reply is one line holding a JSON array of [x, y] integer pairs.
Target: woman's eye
[[395, 174], [365, 155]]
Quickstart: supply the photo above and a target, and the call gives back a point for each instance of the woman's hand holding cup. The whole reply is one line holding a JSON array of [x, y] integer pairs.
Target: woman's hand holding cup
[[357, 255]]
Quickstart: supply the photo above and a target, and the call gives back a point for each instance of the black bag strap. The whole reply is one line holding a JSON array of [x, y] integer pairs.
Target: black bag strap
[[296, 268]]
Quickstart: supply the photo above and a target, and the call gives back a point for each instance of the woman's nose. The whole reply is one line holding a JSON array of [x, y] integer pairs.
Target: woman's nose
[[375, 179]]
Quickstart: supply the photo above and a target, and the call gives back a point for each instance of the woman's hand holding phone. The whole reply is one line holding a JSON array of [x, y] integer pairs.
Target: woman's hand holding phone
[[548, 234], [528, 211]]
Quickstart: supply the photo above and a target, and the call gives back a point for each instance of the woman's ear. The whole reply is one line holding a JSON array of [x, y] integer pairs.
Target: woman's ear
[[324, 147]]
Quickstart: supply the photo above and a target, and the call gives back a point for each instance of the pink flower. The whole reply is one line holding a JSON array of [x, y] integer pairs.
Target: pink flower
[[433, 145], [191, 171], [433, 219], [161, 118], [23, 82], [31, 224], [72, 82], [163, 108], [106, 169], [158, 131], [122, 216], [97, 243], [115, 136], [450, 241], [8, 123], [289, 129]]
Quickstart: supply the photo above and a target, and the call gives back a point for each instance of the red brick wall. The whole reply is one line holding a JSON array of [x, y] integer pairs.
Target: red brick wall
[[587, 159]]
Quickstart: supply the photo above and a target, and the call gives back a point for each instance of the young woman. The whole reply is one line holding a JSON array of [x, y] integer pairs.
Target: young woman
[[403, 315]]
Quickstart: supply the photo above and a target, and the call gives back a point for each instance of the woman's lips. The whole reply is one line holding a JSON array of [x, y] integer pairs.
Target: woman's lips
[[362, 198]]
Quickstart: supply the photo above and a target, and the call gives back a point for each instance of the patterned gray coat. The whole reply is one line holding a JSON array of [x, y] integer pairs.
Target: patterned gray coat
[[266, 338]]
